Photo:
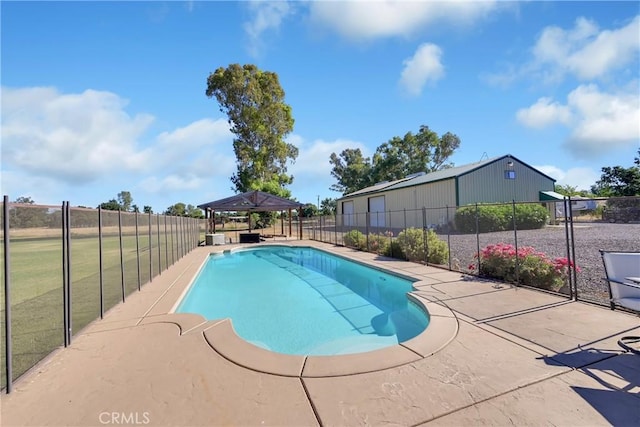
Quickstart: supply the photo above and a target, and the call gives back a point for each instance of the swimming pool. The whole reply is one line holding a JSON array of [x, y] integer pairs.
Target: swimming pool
[[303, 301]]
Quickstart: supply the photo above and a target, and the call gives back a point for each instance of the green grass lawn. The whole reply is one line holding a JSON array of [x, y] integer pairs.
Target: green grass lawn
[[36, 286]]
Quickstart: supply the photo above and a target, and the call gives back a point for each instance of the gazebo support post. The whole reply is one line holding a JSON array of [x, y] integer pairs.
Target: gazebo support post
[[281, 222]]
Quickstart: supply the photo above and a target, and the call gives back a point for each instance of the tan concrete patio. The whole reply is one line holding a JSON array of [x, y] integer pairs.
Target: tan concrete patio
[[516, 357]]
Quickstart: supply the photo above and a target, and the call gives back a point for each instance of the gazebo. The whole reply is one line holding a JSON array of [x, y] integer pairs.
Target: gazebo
[[251, 201]]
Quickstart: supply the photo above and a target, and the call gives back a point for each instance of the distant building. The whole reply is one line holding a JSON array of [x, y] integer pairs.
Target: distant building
[[400, 203], [578, 204]]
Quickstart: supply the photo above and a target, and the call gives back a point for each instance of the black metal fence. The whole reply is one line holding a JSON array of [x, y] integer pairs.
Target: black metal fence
[[64, 267], [574, 232]]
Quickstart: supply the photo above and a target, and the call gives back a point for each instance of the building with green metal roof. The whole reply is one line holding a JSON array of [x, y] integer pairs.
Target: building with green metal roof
[[432, 198]]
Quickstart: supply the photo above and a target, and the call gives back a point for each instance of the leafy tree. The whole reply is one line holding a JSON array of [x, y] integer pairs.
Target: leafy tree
[[135, 208], [328, 206], [351, 169], [26, 200], [125, 200], [111, 205], [309, 210], [147, 209], [260, 119], [394, 159], [194, 212], [179, 209], [618, 181], [570, 190], [422, 152]]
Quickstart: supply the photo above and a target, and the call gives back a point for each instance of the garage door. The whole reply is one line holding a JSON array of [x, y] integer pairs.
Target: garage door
[[376, 212], [347, 212]]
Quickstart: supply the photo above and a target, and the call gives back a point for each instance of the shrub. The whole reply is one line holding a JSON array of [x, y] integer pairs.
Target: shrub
[[379, 243], [411, 243], [534, 268], [394, 250], [500, 217], [355, 239]]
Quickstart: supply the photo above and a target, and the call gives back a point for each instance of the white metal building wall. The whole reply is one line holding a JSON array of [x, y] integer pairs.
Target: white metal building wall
[[431, 195]]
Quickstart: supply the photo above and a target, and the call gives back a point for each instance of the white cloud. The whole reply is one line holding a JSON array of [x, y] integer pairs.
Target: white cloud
[[266, 16], [313, 159], [607, 121], [581, 178], [599, 121], [52, 141], [543, 113], [70, 137], [424, 66], [312, 170], [585, 51], [171, 183], [198, 139], [366, 20]]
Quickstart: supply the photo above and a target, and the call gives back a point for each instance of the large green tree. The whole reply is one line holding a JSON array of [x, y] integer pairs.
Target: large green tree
[[618, 181], [180, 209], [424, 151], [351, 169], [328, 206], [125, 200], [253, 101], [122, 203], [571, 190], [111, 205]]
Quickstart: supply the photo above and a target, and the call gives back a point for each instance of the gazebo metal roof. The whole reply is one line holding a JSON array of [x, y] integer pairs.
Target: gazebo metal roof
[[251, 201]]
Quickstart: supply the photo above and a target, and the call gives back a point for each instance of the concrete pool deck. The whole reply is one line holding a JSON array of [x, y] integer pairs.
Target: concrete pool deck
[[518, 356]]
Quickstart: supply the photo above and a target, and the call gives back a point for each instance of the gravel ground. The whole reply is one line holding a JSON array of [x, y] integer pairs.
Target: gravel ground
[[589, 238]]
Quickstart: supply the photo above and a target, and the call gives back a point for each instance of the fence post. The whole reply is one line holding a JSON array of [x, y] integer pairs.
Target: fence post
[[65, 312], [159, 247], [172, 248], [424, 235], [69, 329], [8, 349], [367, 219], [449, 237], [137, 250], [515, 239], [121, 255], [166, 242], [100, 262], [478, 239], [335, 225], [573, 254], [150, 251]]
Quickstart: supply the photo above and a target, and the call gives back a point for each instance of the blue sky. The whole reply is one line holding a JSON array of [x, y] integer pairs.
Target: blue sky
[[100, 97]]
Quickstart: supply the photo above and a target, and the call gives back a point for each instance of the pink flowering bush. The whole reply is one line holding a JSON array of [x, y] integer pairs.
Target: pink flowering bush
[[534, 268]]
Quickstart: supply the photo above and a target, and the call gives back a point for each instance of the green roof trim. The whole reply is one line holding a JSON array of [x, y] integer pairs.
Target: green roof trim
[[550, 196]]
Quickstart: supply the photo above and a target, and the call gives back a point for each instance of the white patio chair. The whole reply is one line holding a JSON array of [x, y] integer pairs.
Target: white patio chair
[[623, 275]]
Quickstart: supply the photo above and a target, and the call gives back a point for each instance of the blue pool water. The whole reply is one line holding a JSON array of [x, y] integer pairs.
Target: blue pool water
[[305, 301]]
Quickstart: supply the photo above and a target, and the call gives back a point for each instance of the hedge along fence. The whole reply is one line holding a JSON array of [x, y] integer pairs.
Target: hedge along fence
[[64, 267], [411, 244], [488, 218]]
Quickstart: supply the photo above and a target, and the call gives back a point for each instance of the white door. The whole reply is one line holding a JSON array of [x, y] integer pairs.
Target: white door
[[347, 213], [376, 212]]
